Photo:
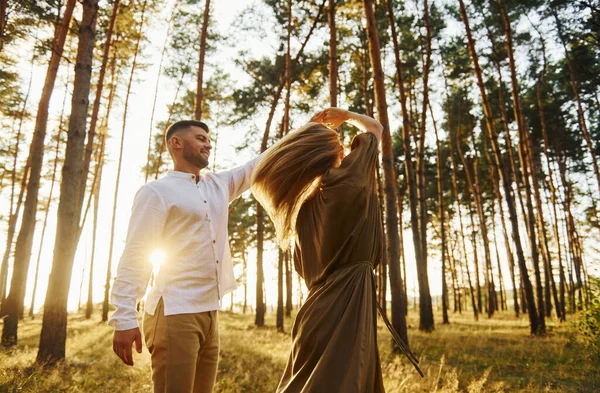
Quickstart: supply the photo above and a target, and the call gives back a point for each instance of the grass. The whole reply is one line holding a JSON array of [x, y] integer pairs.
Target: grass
[[496, 355]]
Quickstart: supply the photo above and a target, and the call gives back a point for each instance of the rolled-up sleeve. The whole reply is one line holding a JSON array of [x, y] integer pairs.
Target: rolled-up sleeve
[[145, 231]]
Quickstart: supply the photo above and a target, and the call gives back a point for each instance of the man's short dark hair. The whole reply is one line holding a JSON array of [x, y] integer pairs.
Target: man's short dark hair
[[182, 125]]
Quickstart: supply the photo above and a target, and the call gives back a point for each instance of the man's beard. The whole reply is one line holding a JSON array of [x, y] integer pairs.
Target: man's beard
[[194, 158]]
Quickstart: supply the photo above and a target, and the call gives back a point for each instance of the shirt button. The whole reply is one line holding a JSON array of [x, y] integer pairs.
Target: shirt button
[[214, 241], [205, 201], [217, 261]]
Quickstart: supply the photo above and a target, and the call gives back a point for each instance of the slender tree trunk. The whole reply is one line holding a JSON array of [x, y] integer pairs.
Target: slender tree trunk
[[389, 174], [12, 306], [560, 304], [3, 6], [382, 267], [54, 324], [575, 88], [97, 101], [333, 62], [459, 212], [441, 210], [425, 306], [260, 305], [408, 163], [505, 175], [160, 66], [14, 213], [473, 228], [279, 321], [401, 195], [494, 172], [526, 167], [47, 208], [203, 35], [119, 165], [288, 284]]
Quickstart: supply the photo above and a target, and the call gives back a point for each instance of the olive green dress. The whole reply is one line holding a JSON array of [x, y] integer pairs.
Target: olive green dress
[[339, 242]]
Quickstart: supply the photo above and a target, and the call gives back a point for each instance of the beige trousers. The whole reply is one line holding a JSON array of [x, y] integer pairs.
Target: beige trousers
[[184, 350]]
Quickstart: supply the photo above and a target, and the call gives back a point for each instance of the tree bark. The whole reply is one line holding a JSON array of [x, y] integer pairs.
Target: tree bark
[[203, 36], [279, 318], [425, 305], [97, 100], [160, 66], [54, 324], [13, 304], [47, 208], [575, 88], [441, 210], [288, 284], [119, 165], [459, 212], [505, 175], [333, 62], [389, 174], [3, 6], [527, 168]]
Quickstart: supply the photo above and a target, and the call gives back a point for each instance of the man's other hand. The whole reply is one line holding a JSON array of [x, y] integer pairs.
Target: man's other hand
[[123, 341]]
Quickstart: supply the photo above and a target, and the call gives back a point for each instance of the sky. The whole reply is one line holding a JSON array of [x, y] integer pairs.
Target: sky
[[135, 149]]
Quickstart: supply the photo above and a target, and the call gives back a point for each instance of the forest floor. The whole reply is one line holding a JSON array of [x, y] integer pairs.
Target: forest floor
[[491, 355]]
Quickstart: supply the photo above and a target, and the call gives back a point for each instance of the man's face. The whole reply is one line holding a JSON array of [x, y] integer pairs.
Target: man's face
[[196, 147]]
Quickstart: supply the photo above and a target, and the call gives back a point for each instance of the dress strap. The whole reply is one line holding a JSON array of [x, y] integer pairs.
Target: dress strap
[[399, 342]]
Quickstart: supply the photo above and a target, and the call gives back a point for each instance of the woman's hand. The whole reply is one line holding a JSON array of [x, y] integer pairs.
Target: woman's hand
[[332, 117]]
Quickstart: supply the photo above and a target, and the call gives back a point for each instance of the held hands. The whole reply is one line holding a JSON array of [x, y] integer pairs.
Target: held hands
[[122, 342], [332, 117]]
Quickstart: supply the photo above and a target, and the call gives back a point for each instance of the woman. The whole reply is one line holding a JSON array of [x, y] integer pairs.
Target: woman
[[329, 204]]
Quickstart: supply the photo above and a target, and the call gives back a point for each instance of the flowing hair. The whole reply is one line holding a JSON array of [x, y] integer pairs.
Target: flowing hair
[[289, 172]]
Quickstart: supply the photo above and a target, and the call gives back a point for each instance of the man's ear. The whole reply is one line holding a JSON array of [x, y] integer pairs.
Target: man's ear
[[176, 141]]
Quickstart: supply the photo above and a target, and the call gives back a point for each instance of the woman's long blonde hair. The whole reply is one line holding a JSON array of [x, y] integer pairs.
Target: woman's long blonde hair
[[290, 170]]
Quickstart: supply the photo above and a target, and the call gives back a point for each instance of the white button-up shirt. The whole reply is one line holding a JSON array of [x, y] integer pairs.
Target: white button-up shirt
[[187, 221]]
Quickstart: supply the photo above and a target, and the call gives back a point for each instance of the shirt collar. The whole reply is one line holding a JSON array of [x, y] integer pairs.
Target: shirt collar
[[183, 175]]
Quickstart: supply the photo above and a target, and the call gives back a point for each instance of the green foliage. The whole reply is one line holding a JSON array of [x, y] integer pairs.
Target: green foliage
[[589, 325]]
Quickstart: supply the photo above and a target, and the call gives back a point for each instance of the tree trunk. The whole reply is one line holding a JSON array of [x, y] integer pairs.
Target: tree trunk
[[425, 307], [13, 215], [459, 212], [441, 210], [473, 228], [527, 168], [288, 284], [494, 171], [3, 6], [203, 35], [13, 304], [382, 267], [389, 174], [160, 66], [119, 165], [505, 175], [47, 208], [54, 324], [97, 100], [333, 62], [279, 318], [580, 110], [410, 180], [560, 304]]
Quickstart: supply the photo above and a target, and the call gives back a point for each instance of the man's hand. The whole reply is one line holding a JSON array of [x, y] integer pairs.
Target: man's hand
[[122, 342]]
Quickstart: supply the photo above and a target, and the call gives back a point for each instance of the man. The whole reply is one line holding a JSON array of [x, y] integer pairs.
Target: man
[[184, 215]]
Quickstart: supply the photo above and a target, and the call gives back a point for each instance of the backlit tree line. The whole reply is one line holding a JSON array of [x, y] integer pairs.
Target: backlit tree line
[[489, 178]]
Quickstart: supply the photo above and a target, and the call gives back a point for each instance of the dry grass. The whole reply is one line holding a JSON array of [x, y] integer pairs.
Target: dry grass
[[495, 355]]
